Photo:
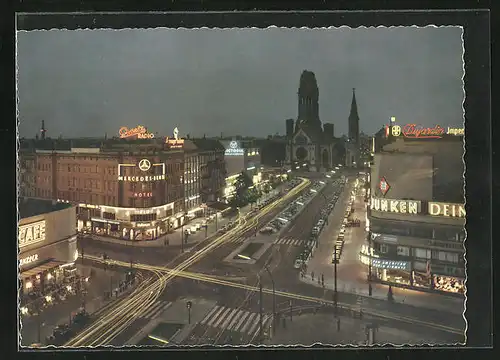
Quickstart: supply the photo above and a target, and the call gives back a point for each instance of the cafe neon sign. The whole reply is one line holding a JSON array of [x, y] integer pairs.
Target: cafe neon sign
[[31, 233], [420, 132], [175, 143], [140, 132]]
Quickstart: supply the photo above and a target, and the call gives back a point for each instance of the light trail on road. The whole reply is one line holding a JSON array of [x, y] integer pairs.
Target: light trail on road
[[112, 323], [289, 295]]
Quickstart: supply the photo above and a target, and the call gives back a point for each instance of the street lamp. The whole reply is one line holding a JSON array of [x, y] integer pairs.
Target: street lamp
[[260, 287], [335, 294]]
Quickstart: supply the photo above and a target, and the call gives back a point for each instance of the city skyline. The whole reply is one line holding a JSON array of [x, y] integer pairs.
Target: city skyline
[[234, 81]]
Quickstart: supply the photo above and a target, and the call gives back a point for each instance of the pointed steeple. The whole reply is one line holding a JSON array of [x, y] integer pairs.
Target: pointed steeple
[[354, 119]]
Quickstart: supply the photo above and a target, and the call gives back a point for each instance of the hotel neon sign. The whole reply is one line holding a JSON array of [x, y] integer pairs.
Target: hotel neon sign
[[140, 132]]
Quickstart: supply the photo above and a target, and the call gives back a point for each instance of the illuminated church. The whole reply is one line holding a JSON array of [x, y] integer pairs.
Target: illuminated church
[[311, 145]]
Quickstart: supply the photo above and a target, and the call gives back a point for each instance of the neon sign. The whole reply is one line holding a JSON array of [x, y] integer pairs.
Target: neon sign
[[234, 149], [175, 143], [395, 206], [384, 186], [456, 131], [143, 194], [445, 209], [31, 233], [418, 131], [28, 260], [140, 132], [142, 178]]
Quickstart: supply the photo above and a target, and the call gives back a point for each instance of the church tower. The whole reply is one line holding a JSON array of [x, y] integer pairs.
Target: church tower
[[308, 101], [354, 120]]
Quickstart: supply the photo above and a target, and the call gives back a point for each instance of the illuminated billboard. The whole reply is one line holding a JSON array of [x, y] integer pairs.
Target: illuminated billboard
[[144, 165], [446, 209], [421, 132], [175, 143], [139, 132], [395, 206], [234, 149]]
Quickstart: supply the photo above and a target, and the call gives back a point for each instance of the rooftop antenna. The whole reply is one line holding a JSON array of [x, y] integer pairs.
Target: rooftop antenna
[[43, 130]]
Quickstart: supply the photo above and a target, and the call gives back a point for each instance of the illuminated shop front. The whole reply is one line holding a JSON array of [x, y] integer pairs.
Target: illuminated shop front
[[131, 223], [47, 246]]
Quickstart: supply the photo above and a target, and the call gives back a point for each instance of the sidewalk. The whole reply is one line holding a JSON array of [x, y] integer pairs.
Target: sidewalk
[[60, 313], [309, 329], [352, 274]]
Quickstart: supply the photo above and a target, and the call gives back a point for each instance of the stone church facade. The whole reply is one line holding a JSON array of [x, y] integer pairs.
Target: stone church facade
[[312, 145]]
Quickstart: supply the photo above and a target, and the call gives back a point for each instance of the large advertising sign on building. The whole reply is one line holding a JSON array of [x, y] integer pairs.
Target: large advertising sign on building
[[144, 165], [395, 206], [139, 132], [234, 149], [175, 142], [446, 209], [31, 233], [416, 131]]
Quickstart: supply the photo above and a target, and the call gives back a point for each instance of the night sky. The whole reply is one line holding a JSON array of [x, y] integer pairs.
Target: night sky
[[91, 82]]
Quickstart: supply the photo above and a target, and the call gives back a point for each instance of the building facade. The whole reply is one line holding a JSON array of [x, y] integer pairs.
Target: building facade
[[311, 145], [240, 156], [46, 242], [125, 188], [416, 215]]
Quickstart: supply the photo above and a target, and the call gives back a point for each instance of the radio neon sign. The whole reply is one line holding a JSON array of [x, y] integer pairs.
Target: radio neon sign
[[140, 132]]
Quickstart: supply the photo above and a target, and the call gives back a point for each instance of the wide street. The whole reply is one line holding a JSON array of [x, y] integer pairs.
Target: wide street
[[234, 314]]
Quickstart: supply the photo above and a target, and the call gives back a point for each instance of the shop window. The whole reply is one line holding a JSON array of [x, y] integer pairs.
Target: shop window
[[384, 249], [420, 232], [422, 253], [403, 251], [461, 235], [109, 215], [419, 266], [448, 257]]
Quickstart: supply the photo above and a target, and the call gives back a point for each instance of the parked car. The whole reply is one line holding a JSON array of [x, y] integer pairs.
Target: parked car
[[315, 230], [298, 264]]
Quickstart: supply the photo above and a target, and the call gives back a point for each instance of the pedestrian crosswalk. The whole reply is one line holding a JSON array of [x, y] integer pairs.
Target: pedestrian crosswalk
[[288, 241], [156, 310], [294, 242], [237, 320]]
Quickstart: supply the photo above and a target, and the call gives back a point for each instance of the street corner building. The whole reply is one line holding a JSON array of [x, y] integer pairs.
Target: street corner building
[[416, 214], [311, 145], [134, 186], [47, 245]]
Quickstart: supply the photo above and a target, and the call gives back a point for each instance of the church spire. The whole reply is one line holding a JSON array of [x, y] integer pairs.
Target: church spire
[[354, 119]]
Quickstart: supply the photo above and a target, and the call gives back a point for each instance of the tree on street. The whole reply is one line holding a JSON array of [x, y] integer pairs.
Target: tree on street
[[242, 186]]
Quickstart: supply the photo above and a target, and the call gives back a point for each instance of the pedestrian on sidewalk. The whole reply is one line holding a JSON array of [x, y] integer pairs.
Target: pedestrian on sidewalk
[[322, 280], [319, 280], [312, 275]]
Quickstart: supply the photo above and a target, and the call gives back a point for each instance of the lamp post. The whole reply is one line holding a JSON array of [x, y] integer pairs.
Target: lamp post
[[260, 289], [335, 294]]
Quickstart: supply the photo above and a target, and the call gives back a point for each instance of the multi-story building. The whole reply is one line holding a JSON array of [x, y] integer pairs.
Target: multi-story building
[[46, 242], [27, 175], [204, 174], [241, 156], [131, 189], [416, 214]]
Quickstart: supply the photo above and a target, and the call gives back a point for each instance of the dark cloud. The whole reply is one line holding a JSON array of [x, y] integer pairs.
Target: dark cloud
[[88, 82]]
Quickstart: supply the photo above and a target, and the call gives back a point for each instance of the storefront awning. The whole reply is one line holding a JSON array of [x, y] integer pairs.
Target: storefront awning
[[218, 206], [41, 268]]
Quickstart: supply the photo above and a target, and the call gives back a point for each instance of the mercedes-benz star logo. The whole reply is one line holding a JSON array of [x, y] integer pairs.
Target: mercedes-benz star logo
[[233, 145], [144, 165]]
